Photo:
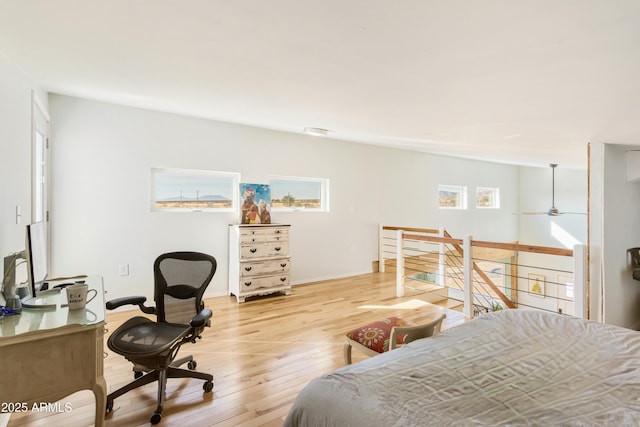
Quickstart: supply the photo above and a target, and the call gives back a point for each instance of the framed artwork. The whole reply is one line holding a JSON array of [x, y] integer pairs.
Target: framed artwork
[[537, 285], [256, 204]]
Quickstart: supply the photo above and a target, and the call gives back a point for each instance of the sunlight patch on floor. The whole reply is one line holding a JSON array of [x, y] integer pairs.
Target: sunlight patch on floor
[[406, 305]]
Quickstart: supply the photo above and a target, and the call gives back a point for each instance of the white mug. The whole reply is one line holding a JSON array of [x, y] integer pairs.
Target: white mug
[[77, 296]]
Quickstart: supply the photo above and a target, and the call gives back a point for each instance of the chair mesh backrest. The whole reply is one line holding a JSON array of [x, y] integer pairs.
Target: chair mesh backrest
[[180, 281]]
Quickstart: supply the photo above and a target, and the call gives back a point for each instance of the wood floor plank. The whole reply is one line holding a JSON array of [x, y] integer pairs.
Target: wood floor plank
[[261, 353]]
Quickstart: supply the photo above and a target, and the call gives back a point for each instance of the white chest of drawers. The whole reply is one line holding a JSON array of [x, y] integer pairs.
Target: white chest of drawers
[[259, 260]]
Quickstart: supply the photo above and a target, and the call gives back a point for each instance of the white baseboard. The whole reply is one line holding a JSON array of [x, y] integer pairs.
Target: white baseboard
[[296, 282], [323, 278]]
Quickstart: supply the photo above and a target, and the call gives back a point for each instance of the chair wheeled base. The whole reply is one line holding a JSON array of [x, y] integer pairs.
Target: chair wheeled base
[[161, 376]]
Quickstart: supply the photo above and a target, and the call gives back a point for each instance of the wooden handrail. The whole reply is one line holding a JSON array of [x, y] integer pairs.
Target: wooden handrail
[[516, 247], [407, 233], [437, 239], [414, 229]]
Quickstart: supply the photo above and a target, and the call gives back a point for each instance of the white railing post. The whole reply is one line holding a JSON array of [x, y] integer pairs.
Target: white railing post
[[580, 290], [468, 276], [380, 248], [399, 265], [442, 260]]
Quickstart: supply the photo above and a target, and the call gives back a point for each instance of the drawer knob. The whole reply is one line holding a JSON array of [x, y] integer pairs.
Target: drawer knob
[[277, 248], [248, 268], [253, 250], [283, 264], [247, 283], [283, 279]]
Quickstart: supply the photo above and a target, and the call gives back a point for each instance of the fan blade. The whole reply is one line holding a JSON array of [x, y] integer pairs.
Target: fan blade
[[549, 214], [530, 213]]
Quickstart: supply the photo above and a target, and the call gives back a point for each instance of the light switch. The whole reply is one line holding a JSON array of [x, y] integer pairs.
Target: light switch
[[123, 269]]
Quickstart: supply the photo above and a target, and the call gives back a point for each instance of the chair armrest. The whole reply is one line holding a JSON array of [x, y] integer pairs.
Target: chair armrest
[[201, 318], [136, 300], [413, 333]]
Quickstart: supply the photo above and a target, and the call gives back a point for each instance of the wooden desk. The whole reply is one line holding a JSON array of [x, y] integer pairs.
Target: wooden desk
[[48, 354]]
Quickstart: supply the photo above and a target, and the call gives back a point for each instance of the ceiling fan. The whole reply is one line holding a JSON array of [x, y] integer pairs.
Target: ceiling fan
[[553, 211]]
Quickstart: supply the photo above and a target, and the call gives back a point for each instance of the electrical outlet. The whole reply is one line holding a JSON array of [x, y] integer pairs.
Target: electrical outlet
[[123, 269]]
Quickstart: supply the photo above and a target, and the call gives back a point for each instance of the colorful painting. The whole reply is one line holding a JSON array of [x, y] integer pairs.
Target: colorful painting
[[536, 285], [256, 204]]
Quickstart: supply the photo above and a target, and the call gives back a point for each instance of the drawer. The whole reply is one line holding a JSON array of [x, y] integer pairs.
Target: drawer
[[248, 284], [263, 268], [260, 235], [264, 250]]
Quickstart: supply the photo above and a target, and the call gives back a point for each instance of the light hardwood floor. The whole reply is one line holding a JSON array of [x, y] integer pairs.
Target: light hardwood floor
[[261, 353]]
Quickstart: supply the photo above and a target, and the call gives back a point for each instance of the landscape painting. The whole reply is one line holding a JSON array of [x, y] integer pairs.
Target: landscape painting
[[190, 190]]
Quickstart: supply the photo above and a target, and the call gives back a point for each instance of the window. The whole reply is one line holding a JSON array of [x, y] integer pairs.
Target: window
[[487, 198], [299, 194], [40, 171], [184, 190], [452, 197]]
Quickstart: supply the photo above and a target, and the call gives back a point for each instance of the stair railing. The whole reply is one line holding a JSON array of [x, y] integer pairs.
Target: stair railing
[[479, 290]]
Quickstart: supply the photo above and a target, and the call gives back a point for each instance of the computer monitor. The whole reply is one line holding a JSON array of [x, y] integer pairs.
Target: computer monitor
[[36, 254]]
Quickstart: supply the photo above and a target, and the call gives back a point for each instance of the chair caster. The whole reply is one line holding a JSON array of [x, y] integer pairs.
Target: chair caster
[[155, 418], [192, 365], [109, 406], [208, 386], [137, 374]]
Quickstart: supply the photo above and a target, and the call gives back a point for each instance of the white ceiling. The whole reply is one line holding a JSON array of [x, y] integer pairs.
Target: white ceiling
[[526, 82]]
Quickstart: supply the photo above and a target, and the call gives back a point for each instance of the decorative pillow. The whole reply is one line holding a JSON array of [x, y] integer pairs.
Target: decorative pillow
[[376, 335]]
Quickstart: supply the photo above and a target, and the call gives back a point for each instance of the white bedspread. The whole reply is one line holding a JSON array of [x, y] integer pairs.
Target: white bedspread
[[511, 367]]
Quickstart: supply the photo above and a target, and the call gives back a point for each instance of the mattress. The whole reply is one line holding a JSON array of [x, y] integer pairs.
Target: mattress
[[510, 367]]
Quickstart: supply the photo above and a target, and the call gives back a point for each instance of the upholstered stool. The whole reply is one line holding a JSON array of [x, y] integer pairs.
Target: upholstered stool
[[386, 334]]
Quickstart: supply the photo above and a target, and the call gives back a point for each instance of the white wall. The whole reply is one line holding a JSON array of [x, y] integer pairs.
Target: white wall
[[534, 195], [615, 228], [101, 160], [15, 156], [563, 231]]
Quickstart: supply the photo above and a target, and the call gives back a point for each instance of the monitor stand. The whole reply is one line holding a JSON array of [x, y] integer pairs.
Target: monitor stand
[[42, 300]]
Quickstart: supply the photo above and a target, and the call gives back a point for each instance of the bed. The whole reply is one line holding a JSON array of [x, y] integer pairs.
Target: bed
[[510, 367]]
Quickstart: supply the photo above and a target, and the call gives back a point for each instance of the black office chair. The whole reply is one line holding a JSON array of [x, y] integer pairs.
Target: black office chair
[[180, 281]]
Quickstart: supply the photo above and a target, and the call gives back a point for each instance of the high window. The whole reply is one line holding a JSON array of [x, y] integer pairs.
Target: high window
[[299, 194], [452, 197], [487, 198], [185, 190]]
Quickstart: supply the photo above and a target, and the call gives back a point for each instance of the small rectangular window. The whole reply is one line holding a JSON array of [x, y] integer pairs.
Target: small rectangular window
[[452, 197], [487, 198], [186, 190], [299, 194]]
